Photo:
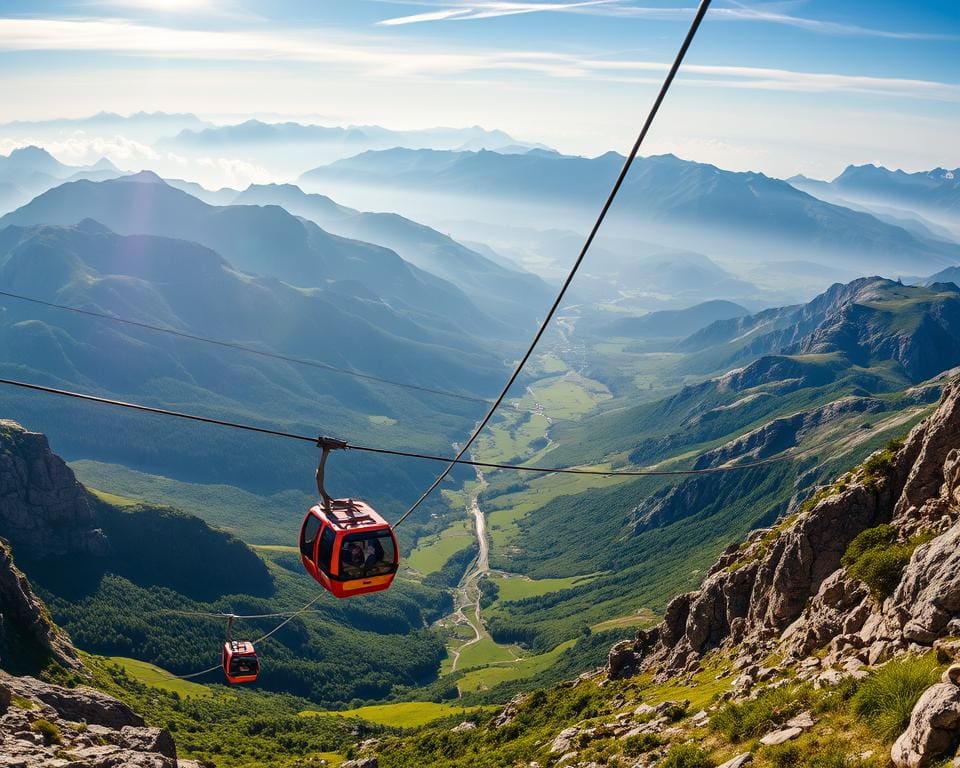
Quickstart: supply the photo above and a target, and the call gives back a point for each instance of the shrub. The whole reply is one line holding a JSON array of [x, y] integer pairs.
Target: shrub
[[872, 538], [881, 569], [686, 756], [49, 731], [21, 703], [887, 696], [643, 742], [785, 755], [878, 560]]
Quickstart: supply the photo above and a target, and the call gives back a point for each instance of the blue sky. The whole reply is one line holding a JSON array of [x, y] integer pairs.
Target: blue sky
[[784, 87]]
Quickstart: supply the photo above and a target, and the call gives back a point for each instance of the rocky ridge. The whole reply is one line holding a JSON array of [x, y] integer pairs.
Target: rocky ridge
[[49, 726], [792, 592]]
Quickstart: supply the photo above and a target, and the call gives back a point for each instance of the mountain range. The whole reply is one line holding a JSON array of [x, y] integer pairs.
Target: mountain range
[[819, 385], [672, 201], [265, 240], [509, 295], [357, 137], [926, 202], [191, 289]]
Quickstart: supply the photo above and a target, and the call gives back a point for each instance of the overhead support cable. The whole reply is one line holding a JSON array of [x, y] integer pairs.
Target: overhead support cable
[[383, 451], [634, 151], [242, 348]]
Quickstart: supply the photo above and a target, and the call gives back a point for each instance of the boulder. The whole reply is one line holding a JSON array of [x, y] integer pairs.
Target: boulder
[[934, 728], [564, 740], [361, 762], [737, 762], [781, 736]]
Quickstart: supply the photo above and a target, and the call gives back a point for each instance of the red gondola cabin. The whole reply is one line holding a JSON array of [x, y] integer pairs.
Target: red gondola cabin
[[348, 548], [240, 662]]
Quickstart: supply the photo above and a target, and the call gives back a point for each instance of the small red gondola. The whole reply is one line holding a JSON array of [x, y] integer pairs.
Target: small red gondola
[[348, 548], [240, 662]]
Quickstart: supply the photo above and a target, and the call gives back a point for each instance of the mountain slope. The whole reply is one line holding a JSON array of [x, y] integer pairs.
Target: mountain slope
[[675, 323], [188, 288], [508, 295], [733, 212], [264, 240], [827, 639], [855, 320], [848, 373]]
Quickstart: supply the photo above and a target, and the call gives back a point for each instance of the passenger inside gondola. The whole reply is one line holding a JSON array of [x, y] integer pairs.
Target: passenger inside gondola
[[363, 555]]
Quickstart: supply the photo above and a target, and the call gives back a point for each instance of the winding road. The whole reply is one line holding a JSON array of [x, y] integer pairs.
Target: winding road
[[468, 590]]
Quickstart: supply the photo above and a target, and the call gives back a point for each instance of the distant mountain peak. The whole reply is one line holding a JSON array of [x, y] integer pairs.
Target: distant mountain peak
[[142, 177], [93, 227], [31, 150], [104, 164]]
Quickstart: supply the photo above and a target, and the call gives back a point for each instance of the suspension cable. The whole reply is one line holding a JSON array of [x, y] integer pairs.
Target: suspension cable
[[242, 348], [628, 162], [390, 451], [230, 616]]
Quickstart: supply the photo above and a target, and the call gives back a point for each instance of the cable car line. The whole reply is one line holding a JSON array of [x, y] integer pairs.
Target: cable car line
[[243, 348], [392, 451], [628, 162]]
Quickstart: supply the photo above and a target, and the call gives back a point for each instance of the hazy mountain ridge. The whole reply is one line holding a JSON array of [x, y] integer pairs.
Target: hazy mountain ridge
[[29, 171], [186, 287], [675, 323], [264, 240], [751, 210], [508, 295]]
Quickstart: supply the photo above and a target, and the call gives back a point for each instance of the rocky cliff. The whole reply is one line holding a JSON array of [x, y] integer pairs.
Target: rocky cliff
[[44, 511], [50, 726]]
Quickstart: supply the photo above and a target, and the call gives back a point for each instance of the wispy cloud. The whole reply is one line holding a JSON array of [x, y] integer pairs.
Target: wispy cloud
[[490, 10], [385, 59], [465, 10]]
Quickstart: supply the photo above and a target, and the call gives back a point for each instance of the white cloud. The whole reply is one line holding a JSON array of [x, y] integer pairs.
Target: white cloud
[[467, 10], [386, 59], [229, 172], [490, 10]]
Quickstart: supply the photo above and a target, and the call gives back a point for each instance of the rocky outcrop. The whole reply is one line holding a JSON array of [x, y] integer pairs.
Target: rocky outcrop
[[48, 726], [934, 729], [26, 630], [785, 589], [44, 511]]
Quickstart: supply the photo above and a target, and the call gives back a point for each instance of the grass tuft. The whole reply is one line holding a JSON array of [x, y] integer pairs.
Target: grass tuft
[[887, 696], [754, 717], [49, 731]]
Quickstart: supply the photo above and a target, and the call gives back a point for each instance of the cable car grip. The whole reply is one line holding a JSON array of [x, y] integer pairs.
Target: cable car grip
[[326, 444]]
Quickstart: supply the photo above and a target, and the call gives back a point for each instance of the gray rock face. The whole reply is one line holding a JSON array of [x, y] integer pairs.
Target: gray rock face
[[24, 617], [92, 729], [929, 593], [44, 511], [934, 728], [78, 704]]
